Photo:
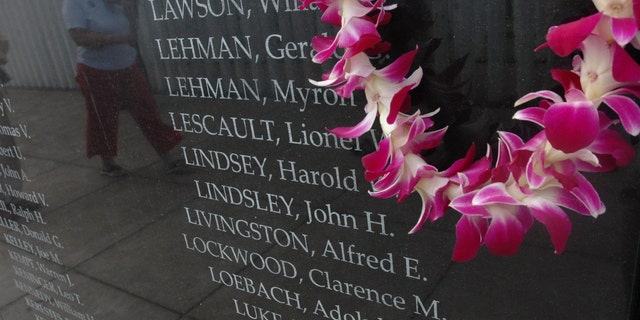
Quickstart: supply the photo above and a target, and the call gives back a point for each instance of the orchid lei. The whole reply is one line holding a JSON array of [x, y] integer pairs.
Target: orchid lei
[[499, 198]]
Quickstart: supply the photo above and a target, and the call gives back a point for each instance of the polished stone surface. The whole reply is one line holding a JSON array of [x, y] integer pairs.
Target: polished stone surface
[[125, 253]]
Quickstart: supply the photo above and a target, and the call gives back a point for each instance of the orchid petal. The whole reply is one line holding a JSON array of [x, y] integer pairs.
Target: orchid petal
[[545, 94], [460, 164], [326, 83], [357, 130], [347, 88], [494, 193], [358, 33], [564, 39], [565, 173], [400, 67], [389, 174], [533, 114], [571, 126], [332, 16], [464, 204], [534, 179], [428, 140], [588, 196], [624, 68], [426, 211], [568, 79], [624, 29], [377, 160], [358, 65], [432, 207], [627, 110], [505, 234], [610, 143], [352, 9], [534, 143], [397, 102], [477, 174], [507, 144], [575, 95], [469, 234], [324, 47], [561, 197], [629, 90], [512, 140], [556, 221]]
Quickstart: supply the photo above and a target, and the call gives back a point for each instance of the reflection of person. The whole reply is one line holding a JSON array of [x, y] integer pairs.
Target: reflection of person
[[9, 163], [110, 77], [4, 49]]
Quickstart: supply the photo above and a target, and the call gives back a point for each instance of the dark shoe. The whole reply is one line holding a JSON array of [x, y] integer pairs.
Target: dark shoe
[[176, 166], [113, 171]]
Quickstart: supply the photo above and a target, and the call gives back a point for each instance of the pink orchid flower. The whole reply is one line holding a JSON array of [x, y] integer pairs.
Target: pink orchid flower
[[604, 67], [358, 31], [547, 167], [607, 152], [620, 20], [357, 34], [437, 188], [386, 90], [397, 162], [498, 214], [595, 67], [490, 216], [400, 170], [574, 124], [337, 12], [348, 74], [535, 180], [617, 22], [537, 166], [612, 151], [569, 125]]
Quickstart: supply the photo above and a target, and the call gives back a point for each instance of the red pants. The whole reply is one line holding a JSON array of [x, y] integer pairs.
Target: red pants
[[105, 92]]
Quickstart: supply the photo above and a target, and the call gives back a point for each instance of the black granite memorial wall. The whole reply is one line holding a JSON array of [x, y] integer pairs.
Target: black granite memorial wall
[[271, 217]]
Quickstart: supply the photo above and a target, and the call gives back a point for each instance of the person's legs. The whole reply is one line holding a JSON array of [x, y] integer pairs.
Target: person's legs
[[102, 100], [144, 111]]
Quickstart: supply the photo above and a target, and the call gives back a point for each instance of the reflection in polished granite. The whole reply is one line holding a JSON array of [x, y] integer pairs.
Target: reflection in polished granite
[[125, 254]]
